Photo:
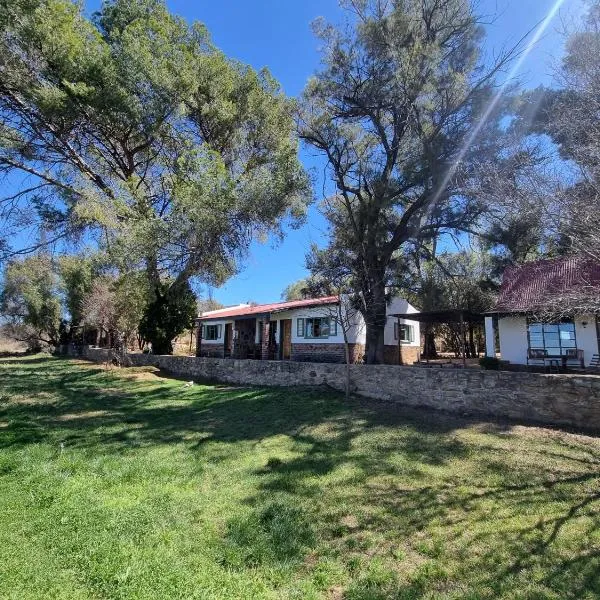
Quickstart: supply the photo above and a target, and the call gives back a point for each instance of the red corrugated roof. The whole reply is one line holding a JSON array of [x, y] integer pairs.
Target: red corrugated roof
[[539, 284], [259, 309]]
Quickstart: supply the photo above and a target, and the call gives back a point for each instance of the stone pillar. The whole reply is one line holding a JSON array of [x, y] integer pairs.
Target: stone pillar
[[490, 338], [264, 347]]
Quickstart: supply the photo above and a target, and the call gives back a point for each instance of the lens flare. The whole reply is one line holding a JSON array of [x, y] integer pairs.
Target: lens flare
[[494, 101]]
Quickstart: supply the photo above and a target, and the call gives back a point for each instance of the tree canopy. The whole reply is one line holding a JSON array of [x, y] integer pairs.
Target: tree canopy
[[131, 126], [392, 109]]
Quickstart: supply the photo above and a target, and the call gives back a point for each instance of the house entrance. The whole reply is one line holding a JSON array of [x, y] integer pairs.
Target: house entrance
[[228, 340], [286, 339]]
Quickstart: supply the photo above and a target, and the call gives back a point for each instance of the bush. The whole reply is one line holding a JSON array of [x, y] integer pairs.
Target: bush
[[489, 363]]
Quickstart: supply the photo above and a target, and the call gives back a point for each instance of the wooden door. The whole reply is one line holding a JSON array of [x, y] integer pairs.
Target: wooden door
[[286, 339], [228, 339]]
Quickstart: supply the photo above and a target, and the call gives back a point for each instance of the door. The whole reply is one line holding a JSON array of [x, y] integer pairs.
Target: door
[[286, 339], [228, 340]]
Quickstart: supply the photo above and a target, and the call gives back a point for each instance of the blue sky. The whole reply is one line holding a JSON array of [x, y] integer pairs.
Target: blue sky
[[277, 34]]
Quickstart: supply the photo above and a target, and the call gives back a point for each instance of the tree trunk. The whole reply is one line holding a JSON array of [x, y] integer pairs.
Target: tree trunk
[[375, 317], [429, 349], [472, 351], [375, 344]]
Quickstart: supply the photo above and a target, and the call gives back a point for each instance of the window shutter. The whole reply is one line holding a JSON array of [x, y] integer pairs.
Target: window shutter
[[201, 332], [300, 327], [396, 330], [333, 325], [219, 331], [411, 333]]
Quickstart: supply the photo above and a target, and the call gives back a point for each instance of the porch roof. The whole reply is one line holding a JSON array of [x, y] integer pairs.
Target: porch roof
[[443, 316]]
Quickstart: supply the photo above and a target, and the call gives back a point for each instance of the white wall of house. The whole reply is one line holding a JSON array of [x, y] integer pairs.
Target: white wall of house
[[514, 343], [356, 333], [221, 339], [513, 339], [586, 336], [400, 306]]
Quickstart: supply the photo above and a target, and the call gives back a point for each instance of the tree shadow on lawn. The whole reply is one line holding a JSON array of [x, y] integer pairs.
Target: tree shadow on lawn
[[371, 480]]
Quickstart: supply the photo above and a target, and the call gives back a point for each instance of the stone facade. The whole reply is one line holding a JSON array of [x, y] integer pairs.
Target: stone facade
[[410, 354], [212, 350], [568, 400], [327, 353]]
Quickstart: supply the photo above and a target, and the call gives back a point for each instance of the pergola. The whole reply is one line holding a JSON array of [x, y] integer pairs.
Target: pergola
[[444, 317]]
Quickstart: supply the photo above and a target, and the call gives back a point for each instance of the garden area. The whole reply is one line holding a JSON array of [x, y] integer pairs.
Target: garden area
[[129, 484]]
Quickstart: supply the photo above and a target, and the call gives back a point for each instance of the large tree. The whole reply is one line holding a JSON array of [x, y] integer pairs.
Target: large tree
[[133, 126], [570, 114], [401, 90], [30, 301]]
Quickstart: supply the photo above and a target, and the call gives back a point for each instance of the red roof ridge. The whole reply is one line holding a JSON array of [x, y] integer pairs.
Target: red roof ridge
[[251, 309]]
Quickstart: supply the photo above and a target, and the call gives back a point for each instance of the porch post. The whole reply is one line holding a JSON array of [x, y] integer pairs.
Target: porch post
[[399, 341], [199, 339], [266, 330], [463, 341], [490, 338]]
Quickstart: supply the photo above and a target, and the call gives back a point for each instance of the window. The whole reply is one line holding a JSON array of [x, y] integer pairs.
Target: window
[[211, 332], [556, 339], [317, 327], [300, 327], [407, 333]]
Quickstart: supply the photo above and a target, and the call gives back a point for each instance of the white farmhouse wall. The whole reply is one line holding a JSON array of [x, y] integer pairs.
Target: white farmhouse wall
[[514, 343], [356, 333], [221, 339], [586, 336], [400, 306], [513, 339]]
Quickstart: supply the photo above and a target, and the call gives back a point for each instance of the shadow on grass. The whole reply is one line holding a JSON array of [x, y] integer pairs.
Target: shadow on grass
[[409, 479]]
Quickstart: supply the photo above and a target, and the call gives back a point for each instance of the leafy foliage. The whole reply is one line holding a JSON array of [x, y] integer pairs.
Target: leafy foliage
[[29, 299], [392, 111], [166, 316], [134, 126]]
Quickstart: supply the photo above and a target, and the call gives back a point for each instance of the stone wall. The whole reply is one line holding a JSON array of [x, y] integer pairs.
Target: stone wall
[[570, 400]]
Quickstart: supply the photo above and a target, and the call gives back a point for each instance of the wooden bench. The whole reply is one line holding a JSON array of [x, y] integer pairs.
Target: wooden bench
[[539, 357]]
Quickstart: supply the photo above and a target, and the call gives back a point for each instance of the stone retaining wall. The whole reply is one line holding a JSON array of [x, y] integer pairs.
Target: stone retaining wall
[[570, 400]]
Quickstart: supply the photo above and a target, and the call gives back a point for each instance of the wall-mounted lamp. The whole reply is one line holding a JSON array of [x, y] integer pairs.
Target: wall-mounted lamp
[[584, 324]]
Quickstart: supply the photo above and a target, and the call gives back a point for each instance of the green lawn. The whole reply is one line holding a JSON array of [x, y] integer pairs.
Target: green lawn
[[129, 485]]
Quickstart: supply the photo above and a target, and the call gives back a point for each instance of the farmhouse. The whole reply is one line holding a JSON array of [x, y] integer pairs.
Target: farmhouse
[[548, 313], [303, 330]]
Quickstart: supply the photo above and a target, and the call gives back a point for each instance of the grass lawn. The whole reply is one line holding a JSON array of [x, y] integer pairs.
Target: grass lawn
[[129, 485]]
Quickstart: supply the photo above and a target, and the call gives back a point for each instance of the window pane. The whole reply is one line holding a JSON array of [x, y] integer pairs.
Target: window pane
[[553, 351], [535, 328], [324, 328], [309, 328], [551, 327]]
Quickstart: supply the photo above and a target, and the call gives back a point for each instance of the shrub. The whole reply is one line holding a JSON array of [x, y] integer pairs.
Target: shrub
[[489, 363]]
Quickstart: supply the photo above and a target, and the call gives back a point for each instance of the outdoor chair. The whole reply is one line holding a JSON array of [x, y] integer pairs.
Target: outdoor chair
[[536, 357], [574, 354], [595, 362]]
